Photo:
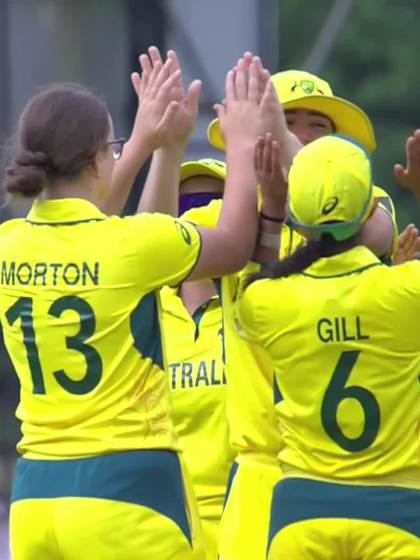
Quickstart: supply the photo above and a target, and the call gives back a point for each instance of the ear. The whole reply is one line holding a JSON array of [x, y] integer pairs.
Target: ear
[[95, 168]]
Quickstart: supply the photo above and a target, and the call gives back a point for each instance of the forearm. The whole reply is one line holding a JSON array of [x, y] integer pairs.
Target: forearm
[[228, 247], [267, 248], [239, 210], [161, 189], [272, 216], [125, 172]]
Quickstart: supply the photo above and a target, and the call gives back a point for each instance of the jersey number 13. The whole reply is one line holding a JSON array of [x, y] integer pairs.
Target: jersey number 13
[[23, 310]]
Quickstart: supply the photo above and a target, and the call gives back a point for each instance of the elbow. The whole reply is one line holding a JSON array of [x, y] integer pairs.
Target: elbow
[[240, 256]]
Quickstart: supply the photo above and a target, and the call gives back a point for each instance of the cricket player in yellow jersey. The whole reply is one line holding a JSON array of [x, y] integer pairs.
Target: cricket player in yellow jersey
[[252, 420], [312, 111], [250, 535], [340, 327], [252, 392], [100, 474], [192, 330]]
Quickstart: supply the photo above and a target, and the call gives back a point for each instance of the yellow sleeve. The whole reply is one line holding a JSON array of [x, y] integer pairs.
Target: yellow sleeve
[[204, 216], [247, 312], [166, 248], [386, 204]]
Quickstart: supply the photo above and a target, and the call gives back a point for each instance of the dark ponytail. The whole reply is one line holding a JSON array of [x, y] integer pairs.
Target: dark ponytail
[[60, 132], [303, 257]]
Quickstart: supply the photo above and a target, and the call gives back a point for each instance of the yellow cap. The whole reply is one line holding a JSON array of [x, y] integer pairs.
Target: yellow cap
[[301, 90], [207, 166], [330, 188]]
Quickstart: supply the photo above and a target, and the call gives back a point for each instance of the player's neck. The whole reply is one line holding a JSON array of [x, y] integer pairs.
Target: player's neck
[[81, 187], [194, 294]]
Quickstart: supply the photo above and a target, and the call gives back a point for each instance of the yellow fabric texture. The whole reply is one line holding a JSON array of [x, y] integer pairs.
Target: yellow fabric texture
[[349, 377], [194, 355], [80, 322], [249, 371], [246, 518], [91, 528], [340, 539], [211, 535]]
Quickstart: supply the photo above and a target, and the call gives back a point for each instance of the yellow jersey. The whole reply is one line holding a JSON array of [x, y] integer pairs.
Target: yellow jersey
[[252, 389], [343, 336], [80, 319], [194, 353]]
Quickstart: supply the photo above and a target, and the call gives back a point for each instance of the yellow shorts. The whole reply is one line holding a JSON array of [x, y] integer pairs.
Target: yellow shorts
[[245, 520], [211, 537], [313, 520], [121, 506]]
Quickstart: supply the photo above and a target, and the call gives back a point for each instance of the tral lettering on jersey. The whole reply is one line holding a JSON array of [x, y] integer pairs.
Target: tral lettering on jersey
[[187, 375]]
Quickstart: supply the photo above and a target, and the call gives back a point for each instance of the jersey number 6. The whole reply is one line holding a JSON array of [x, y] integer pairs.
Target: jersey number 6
[[336, 392], [23, 310]]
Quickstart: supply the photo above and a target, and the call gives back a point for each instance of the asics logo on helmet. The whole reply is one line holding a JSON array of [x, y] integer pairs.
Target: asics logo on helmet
[[329, 205]]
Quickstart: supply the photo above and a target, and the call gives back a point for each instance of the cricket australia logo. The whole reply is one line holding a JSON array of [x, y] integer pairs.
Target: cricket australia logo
[[307, 86]]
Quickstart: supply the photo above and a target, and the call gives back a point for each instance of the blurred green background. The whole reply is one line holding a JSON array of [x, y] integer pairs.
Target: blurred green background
[[372, 63]]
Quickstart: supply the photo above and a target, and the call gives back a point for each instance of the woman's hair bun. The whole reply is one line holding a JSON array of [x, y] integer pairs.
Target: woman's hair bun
[[28, 175]]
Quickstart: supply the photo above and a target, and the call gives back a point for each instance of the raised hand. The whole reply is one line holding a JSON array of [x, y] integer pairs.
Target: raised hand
[[181, 122], [251, 101], [166, 114], [243, 111], [272, 178], [409, 176], [408, 245], [165, 118]]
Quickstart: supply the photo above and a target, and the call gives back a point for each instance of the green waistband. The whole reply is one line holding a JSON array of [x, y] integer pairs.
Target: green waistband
[[299, 499], [148, 478]]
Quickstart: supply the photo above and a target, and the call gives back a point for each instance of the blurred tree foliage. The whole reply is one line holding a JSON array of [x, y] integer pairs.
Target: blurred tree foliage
[[373, 64]]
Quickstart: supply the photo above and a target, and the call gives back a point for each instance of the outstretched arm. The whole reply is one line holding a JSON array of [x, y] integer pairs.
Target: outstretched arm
[[157, 90], [272, 179], [250, 109], [161, 189]]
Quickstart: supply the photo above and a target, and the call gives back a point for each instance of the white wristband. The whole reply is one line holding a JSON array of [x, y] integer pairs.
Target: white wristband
[[269, 240]]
